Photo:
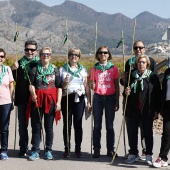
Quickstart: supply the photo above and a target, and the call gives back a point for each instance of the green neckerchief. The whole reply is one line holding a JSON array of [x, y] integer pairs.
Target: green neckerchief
[[25, 65], [4, 70], [43, 74], [75, 73], [132, 60], [135, 74], [107, 67]]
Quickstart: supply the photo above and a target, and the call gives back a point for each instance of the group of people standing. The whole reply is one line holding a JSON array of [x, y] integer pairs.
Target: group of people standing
[[42, 90]]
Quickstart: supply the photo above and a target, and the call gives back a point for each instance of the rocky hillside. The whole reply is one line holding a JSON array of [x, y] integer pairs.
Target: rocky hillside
[[47, 25]]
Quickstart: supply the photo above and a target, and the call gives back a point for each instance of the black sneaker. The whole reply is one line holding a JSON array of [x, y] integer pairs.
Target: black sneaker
[[22, 155], [78, 154], [111, 154], [65, 154], [96, 154]]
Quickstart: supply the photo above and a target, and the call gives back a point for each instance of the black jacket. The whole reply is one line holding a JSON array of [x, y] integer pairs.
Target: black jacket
[[22, 86], [164, 90], [149, 97]]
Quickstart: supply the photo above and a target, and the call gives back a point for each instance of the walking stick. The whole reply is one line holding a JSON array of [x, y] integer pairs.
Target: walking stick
[[124, 110], [95, 44], [68, 135], [16, 108], [33, 92], [124, 128]]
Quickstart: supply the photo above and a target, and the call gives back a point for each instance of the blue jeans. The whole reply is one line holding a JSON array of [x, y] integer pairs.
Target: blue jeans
[[23, 128], [133, 124], [5, 111], [37, 127], [75, 111], [106, 102]]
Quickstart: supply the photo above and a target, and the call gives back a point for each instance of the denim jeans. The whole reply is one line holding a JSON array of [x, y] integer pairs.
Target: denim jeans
[[37, 127], [75, 111], [23, 128], [133, 124], [101, 102], [5, 111]]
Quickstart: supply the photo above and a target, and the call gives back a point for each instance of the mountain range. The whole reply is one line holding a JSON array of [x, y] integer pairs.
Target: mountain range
[[48, 26]]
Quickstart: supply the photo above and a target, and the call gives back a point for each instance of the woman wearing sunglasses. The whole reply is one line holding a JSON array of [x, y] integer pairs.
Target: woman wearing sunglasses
[[6, 97], [105, 83], [142, 107], [46, 95], [75, 88]]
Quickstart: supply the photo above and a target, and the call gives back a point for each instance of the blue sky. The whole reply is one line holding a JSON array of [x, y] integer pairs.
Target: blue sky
[[130, 8]]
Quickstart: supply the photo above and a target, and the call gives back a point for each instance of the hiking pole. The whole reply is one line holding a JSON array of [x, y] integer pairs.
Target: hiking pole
[[124, 128], [16, 108], [36, 104], [68, 135], [92, 115], [123, 119], [124, 110]]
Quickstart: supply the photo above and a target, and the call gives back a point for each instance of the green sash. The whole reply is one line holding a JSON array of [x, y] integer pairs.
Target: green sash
[[4, 70]]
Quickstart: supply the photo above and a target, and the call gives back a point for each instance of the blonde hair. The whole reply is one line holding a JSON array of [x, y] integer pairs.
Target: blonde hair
[[74, 50], [142, 56], [45, 48]]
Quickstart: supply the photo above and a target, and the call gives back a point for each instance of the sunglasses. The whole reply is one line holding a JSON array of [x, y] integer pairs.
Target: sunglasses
[[2, 56], [140, 48], [141, 62], [45, 54], [103, 52], [72, 55], [30, 49]]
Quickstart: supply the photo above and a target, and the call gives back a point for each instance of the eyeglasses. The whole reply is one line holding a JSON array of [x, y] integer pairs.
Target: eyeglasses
[[140, 48], [2, 56], [45, 54], [30, 49], [72, 55], [103, 52], [141, 62]]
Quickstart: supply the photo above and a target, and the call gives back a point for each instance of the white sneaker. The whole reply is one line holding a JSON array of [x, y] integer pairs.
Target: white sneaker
[[148, 159], [160, 163], [132, 158], [143, 157]]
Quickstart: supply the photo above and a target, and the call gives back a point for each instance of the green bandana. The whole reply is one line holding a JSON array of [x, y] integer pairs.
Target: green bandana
[[107, 67], [4, 70], [75, 73], [25, 64], [132, 60], [146, 74], [45, 73]]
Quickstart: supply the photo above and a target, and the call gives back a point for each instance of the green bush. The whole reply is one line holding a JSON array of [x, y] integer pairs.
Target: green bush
[[8, 62]]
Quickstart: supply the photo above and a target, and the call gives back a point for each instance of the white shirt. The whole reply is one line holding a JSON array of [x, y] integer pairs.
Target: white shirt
[[76, 84]]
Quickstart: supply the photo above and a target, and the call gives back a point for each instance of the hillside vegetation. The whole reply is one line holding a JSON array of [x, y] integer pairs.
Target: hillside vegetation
[[87, 61]]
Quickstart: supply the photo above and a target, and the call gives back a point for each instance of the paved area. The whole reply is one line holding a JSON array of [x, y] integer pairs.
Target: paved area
[[72, 163]]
